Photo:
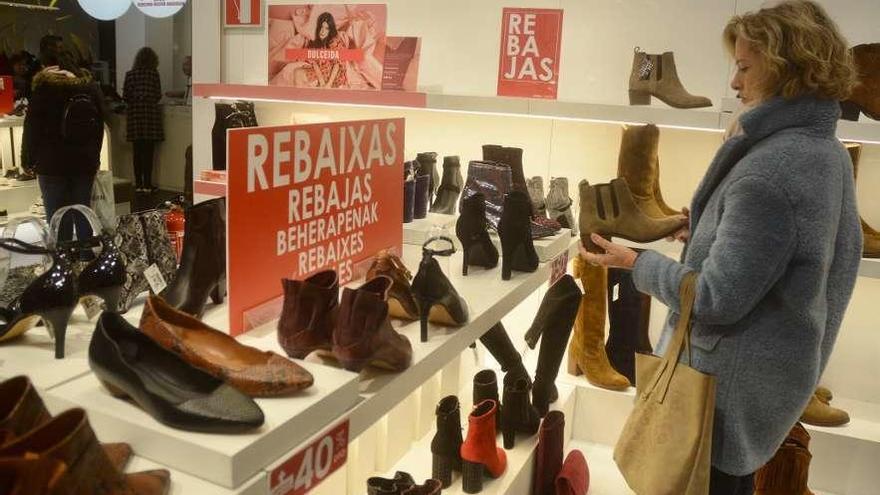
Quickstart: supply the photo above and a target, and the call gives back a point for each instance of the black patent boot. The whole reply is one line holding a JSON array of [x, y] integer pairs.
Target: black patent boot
[[518, 414], [446, 444], [552, 325], [202, 270], [450, 187], [472, 230], [517, 249]]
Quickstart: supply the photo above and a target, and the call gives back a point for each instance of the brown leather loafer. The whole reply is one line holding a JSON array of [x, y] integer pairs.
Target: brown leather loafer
[[256, 373], [401, 303]]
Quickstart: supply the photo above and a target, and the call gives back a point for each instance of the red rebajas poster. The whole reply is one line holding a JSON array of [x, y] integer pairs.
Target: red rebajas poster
[[531, 41]]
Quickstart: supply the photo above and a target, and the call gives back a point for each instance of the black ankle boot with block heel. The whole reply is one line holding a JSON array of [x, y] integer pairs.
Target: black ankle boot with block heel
[[446, 444], [472, 230]]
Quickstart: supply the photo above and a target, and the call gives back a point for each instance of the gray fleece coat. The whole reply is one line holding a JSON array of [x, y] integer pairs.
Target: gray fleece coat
[[776, 239]]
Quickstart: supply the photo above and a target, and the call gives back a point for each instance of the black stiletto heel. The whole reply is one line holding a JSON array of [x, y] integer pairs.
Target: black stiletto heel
[[431, 288]]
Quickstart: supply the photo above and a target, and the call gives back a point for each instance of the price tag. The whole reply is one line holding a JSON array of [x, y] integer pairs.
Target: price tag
[[155, 279], [615, 292], [558, 267], [306, 469]]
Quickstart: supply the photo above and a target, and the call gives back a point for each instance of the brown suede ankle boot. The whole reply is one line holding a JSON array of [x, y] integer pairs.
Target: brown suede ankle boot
[[655, 75], [308, 314], [639, 166], [789, 469], [586, 352], [871, 237], [610, 211], [820, 413]]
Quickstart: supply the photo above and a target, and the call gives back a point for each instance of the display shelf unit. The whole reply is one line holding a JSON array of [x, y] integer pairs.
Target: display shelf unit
[[516, 478], [712, 119], [489, 299]]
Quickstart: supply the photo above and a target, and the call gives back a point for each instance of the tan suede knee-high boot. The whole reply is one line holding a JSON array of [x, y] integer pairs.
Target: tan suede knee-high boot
[[871, 247], [639, 165], [586, 352], [789, 469]]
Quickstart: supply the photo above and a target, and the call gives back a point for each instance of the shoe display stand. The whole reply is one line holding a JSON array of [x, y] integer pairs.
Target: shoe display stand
[[418, 231]]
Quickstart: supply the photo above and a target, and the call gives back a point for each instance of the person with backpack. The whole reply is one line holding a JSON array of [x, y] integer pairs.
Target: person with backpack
[[142, 92], [63, 131]]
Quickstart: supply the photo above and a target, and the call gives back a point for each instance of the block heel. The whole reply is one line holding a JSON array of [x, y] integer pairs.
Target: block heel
[[441, 469], [472, 477], [639, 98], [509, 437]]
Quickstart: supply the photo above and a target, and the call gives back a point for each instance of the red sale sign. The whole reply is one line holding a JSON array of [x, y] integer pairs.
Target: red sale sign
[[310, 466], [243, 13], [7, 95], [531, 41], [305, 198]]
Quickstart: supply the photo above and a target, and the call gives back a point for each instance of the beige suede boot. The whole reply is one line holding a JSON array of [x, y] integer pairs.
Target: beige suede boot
[[586, 351], [610, 211], [819, 413], [824, 394], [655, 75], [639, 166], [871, 237], [788, 471]]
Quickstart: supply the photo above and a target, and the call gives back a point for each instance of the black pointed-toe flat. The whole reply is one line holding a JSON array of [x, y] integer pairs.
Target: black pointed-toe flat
[[131, 365]]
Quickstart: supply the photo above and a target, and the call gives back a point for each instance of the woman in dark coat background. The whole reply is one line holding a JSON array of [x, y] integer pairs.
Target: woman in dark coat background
[[142, 92]]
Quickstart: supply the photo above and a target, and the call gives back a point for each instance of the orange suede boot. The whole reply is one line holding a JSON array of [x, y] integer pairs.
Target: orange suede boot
[[479, 452], [789, 469]]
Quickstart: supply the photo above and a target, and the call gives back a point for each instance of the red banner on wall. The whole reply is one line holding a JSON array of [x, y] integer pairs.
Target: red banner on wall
[[531, 41], [305, 198]]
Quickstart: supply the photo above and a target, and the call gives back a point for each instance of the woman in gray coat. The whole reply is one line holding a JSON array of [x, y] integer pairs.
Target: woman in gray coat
[[773, 233]]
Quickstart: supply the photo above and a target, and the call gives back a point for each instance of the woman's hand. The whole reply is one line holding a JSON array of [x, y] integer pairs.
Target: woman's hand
[[615, 256], [683, 234]]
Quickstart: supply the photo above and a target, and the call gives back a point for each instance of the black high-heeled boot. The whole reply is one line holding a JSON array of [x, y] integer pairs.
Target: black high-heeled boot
[[486, 387], [446, 444], [450, 187], [518, 414], [501, 348], [552, 324], [438, 300], [472, 230], [629, 318], [409, 191], [202, 270], [428, 166], [51, 297], [517, 249]]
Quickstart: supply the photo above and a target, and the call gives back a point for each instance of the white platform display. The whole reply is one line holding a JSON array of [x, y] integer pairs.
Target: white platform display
[[418, 231]]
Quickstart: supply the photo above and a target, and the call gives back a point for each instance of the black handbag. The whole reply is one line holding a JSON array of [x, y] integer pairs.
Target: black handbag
[[143, 239]]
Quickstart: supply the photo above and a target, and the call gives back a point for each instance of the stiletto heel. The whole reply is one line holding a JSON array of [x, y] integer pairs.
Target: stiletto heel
[[472, 477], [432, 289], [509, 437], [219, 292], [464, 259], [56, 323]]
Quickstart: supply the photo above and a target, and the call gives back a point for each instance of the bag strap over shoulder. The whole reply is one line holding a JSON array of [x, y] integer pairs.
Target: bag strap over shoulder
[[681, 340]]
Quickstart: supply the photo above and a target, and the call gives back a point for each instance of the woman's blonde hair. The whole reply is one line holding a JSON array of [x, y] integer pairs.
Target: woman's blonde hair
[[802, 48]]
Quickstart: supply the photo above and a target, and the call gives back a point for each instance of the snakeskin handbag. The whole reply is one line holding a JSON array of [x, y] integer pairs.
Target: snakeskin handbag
[[143, 240]]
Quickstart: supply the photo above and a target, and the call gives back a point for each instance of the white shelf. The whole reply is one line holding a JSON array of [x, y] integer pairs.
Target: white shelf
[[489, 299], [517, 477], [185, 484]]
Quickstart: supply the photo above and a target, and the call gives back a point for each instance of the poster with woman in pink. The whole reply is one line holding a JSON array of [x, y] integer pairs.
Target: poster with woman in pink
[[327, 45]]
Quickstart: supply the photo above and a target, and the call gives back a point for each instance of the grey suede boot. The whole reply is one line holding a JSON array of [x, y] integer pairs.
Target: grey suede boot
[[559, 204], [536, 193]]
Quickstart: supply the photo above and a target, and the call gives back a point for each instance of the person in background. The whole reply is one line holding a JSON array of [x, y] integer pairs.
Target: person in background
[[51, 48], [142, 91], [64, 130], [21, 75], [184, 94]]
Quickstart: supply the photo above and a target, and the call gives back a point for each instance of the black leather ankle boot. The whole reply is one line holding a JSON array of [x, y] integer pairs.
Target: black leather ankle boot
[[486, 387], [427, 162], [552, 324], [446, 444], [450, 187], [517, 249], [518, 414], [202, 270], [472, 230]]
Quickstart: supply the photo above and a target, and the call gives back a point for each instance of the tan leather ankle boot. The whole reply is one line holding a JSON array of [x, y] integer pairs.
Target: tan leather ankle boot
[[789, 469], [655, 75], [610, 211], [586, 352], [819, 413], [639, 166], [871, 237]]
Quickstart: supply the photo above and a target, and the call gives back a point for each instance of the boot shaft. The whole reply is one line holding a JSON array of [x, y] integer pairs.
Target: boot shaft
[[452, 173], [485, 386], [310, 306], [516, 214], [637, 160], [362, 312], [481, 434]]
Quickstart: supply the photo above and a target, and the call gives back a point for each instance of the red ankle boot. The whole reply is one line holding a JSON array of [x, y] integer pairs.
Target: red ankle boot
[[574, 478], [479, 451], [548, 455]]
